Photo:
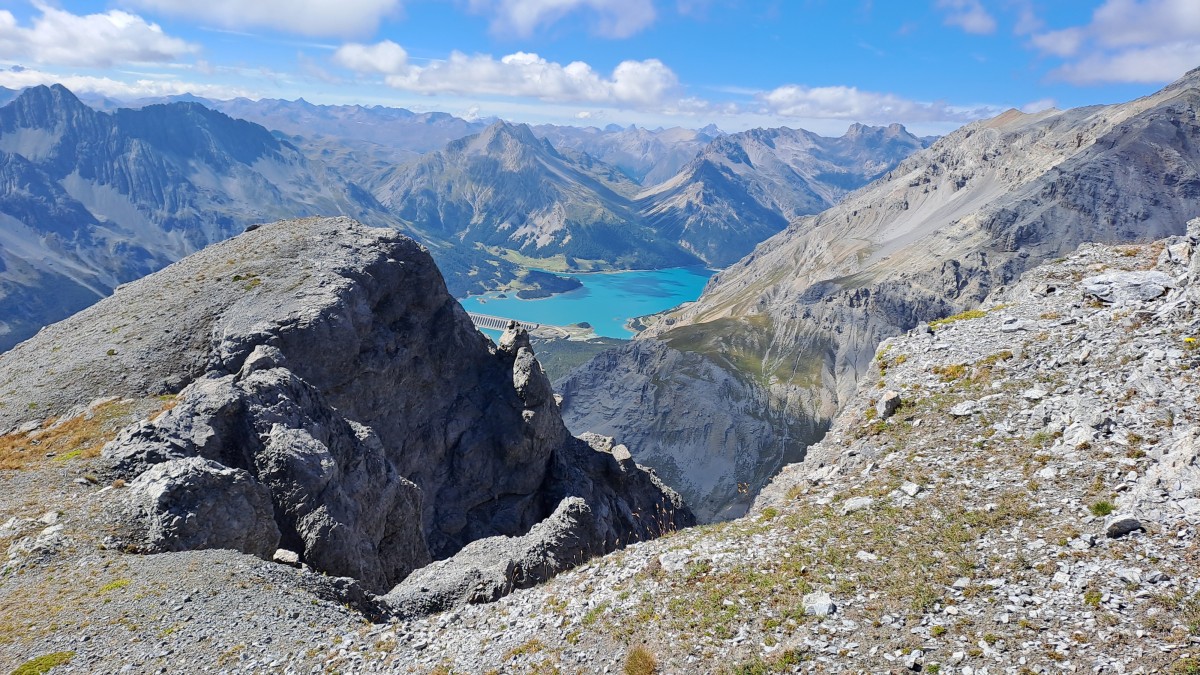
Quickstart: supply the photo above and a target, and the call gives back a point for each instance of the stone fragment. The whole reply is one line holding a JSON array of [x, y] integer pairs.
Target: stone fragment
[[856, 504], [1130, 575], [1121, 524], [818, 603], [964, 409], [1034, 394], [910, 488], [888, 404], [286, 557], [1123, 288]]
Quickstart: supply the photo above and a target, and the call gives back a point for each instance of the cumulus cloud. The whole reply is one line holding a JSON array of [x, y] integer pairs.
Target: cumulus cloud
[[633, 84], [851, 103], [1149, 65], [969, 15], [1144, 41], [344, 18], [612, 18], [94, 40], [386, 57], [18, 78]]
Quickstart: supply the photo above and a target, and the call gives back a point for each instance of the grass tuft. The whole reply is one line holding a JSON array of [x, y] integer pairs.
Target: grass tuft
[[640, 662]]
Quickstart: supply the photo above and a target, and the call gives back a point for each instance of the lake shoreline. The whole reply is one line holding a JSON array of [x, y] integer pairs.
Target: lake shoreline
[[608, 300]]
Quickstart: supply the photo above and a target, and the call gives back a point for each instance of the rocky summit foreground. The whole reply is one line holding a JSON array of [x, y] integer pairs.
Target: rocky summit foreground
[[309, 392], [1010, 490]]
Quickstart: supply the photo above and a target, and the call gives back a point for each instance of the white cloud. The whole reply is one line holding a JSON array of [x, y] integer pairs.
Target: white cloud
[[344, 18], [18, 78], [1143, 41], [1039, 105], [613, 18], [850, 103], [385, 57], [1065, 42], [632, 84], [1150, 65], [94, 40], [969, 15], [1133, 23]]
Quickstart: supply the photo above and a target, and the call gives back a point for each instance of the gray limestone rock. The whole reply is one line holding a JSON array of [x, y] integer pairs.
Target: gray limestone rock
[[488, 569], [347, 383], [1124, 288], [888, 404], [193, 503], [818, 603], [1121, 524]]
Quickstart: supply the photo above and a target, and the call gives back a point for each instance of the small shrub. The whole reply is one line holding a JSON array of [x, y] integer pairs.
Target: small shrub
[[640, 662], [938, 631], [950, 373], [1092, 597], [1102, 508]]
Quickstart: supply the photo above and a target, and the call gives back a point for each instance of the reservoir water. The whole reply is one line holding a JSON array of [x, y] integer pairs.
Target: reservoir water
[[606, 300]]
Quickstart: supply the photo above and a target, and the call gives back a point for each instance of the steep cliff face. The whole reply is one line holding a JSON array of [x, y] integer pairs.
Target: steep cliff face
[[328, 362], [800, 317]]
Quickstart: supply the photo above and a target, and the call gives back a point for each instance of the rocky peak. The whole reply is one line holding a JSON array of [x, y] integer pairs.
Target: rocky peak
[[323, 367]]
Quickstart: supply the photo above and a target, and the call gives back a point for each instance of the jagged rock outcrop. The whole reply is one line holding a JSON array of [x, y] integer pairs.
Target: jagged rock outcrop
[[327, 363], [801, 315]]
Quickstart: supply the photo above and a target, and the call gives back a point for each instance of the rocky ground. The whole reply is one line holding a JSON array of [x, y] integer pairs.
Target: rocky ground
[[1013, 490]]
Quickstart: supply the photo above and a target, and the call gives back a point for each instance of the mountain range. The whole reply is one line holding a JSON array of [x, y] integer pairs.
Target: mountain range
[[92, 200], [97, 198], [783, 336]]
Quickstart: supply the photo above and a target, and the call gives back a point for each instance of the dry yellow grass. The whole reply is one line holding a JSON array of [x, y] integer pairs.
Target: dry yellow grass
[[81, 436]]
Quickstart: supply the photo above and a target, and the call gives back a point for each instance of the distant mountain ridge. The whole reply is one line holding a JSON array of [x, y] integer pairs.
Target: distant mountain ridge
[[748, 186], [506, 188], [90, 200], [647, 156], [509, 189]]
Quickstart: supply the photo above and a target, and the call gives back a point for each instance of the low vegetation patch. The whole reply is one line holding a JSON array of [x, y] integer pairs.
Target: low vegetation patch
[[640, 662], [44, 664], [80, 436], [961, 316]]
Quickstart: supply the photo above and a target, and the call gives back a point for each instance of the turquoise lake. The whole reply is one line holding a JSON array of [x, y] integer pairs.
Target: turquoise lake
[[606, 301]]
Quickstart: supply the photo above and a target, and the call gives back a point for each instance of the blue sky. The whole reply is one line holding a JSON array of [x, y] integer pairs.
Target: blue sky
[[818, 64]]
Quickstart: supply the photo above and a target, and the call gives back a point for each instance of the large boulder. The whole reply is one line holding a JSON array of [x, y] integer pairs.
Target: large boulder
[[195, 503]]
